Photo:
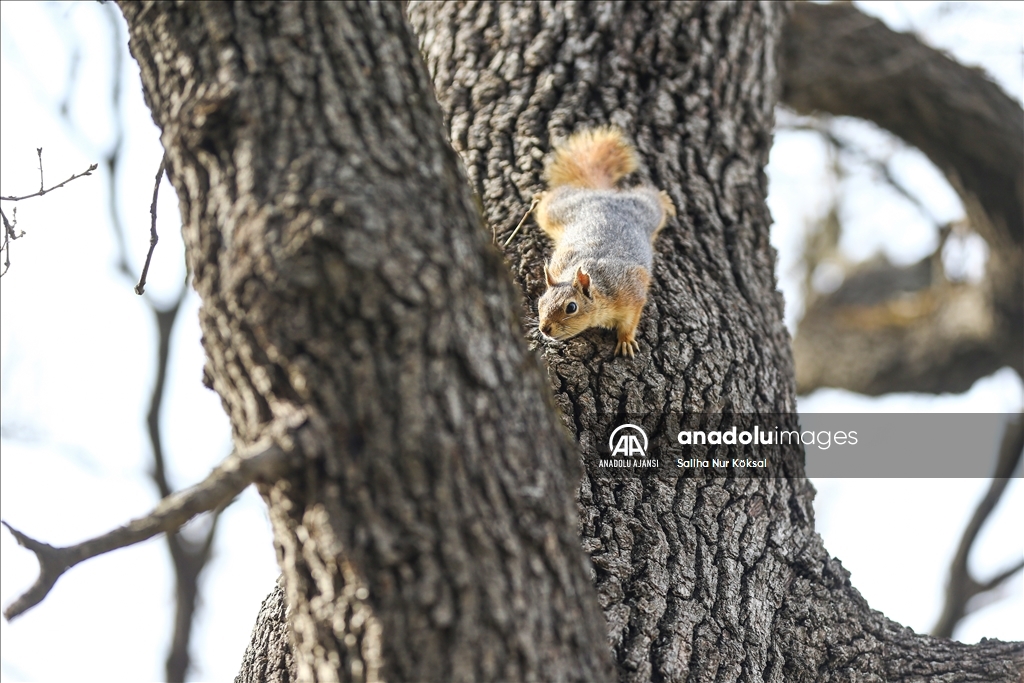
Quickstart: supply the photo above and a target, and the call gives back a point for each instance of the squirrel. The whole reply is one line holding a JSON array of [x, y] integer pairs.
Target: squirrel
[[600, 271]]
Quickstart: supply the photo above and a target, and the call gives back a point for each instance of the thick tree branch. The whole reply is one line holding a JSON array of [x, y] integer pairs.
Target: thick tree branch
[[339, 257], [891, 328], [225, 482], [840, 61], [722, 579]]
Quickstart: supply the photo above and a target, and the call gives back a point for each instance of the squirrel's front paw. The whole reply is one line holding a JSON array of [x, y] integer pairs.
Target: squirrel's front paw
[[627, 346]]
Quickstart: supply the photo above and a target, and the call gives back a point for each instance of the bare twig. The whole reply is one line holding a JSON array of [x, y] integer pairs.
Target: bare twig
[[42, 191], [533, 205], [9, 232], [225, 482], [962, 586], [113, 157], [9, 236], [153, 237], [39, 153], [1000, 578]]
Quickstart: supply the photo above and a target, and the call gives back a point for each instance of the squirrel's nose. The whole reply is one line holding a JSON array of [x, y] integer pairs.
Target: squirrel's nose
[[546, 329]]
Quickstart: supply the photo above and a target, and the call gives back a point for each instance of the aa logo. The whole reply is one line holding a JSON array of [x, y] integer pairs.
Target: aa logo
[[628, 443]]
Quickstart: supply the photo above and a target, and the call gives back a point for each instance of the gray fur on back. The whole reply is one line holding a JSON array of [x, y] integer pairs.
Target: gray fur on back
[[606, 225]]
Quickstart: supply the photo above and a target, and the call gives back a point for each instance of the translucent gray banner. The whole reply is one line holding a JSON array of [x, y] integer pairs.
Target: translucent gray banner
[[904, 444], [900, 445]]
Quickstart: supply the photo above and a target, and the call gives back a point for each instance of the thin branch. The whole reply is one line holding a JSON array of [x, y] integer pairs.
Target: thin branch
[[225, 482], [165, 319], [39, 153], [9, 233], [882, 167], [533, 205], [9, 236], [190, 560], [10, 225], [153, 237], [112, 160], [962, 587], [42, 191], [1001, 577]]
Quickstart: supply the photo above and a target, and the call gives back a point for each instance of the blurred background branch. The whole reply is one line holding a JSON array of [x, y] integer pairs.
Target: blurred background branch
[[965, 593], [190, 548], [888, 328], [875, 327]]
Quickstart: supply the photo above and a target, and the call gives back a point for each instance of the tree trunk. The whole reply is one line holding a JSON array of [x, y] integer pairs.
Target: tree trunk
[[700, 579], [354, 311]]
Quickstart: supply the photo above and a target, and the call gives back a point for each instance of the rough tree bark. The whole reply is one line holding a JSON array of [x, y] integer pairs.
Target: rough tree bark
[[351, 311], [723, 579]]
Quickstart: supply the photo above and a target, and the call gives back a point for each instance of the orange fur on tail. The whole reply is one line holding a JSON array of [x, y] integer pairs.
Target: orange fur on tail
[[596, 158]]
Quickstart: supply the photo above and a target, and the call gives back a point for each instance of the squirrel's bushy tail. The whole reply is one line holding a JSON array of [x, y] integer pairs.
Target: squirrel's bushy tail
[[596, 158]]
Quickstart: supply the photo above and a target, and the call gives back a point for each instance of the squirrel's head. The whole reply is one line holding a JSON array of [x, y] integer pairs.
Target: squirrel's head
[[566, 308]]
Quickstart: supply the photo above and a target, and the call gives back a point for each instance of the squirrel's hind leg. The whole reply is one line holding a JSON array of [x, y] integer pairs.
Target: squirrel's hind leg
[[668, 208], [547, 219]]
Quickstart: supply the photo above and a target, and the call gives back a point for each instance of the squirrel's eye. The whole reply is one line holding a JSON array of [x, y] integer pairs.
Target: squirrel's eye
[[570, 307]]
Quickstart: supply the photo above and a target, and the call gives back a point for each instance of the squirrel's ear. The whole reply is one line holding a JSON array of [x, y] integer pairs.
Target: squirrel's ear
[[583, 280], [547, 276]]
